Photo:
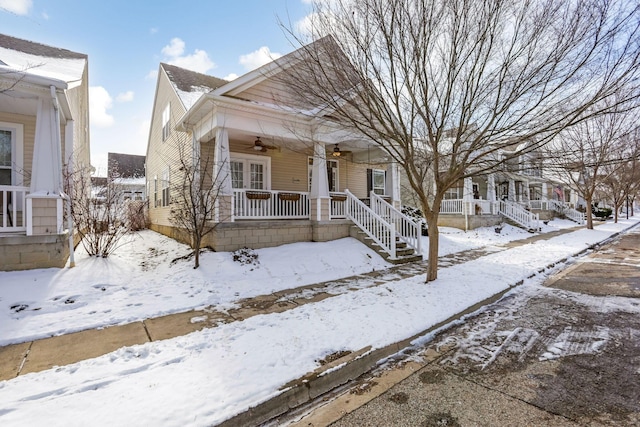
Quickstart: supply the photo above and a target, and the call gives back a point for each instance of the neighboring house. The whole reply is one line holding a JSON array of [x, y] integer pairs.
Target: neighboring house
[[286, 174], [519, 191], [44, 133], [127, 172]]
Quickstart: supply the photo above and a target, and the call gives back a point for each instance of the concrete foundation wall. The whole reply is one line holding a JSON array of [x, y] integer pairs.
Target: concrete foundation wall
[[473, 221], [29, 252], [231, 236]]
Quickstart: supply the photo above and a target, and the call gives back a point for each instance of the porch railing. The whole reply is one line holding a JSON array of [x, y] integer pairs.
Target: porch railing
[[380, 231], [338, 205], [518, 214], [453, 206], [265, 204], [13, 213], [568, 211], [408, 230]]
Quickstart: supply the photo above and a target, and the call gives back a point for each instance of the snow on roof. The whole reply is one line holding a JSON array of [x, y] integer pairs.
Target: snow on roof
[[191, 85], [42, 60]]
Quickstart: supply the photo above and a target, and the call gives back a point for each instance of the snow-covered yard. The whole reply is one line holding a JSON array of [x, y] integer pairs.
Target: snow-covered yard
[[140, 281], [208, 376]]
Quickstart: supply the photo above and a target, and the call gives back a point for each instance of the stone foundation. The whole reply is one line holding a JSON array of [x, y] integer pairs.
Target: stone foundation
[[473, 221], [29, 252], [230, 236]]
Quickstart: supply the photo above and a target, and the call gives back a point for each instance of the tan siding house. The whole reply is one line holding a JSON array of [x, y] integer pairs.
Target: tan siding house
[[285, 175], [44, 122]]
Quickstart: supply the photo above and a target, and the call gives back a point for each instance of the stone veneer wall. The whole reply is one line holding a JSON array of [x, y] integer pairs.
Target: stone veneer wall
[[29, 252], [230, 236], [474, 221]]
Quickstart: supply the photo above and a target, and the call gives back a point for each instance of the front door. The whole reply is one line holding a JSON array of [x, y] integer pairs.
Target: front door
[[250, 173]]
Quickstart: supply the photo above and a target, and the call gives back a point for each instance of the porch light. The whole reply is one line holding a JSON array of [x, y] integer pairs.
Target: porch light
[[257, 145], [336, 151]]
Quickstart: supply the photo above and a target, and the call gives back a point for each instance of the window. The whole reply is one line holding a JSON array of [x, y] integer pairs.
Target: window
[[453, 193], [378, 181], [165, 188], [332, 174], [237, 174], [11, 153], [6, 159], [166, 119], [250, 171], [155, 191]]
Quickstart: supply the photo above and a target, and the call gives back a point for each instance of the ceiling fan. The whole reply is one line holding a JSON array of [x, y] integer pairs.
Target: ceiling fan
[[337, 152], [258, 145]]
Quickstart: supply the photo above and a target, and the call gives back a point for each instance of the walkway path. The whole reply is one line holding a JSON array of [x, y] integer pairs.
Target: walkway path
[[38, 355]]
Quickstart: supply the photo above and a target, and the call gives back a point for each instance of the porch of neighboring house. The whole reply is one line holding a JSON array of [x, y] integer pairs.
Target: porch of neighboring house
[[32, 234], [489, 200]]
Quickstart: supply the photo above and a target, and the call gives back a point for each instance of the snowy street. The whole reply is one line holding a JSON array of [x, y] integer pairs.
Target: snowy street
[[213, 374]]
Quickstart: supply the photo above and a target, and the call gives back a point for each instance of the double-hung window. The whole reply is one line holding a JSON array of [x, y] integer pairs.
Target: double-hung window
[[166, 122], [165, 187]]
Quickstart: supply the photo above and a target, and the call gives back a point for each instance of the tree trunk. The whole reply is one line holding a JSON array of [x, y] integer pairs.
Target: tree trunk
[[589, 214], [434, 235]]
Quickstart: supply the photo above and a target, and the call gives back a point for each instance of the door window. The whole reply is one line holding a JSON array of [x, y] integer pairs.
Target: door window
[[5, 157], [250, 172]]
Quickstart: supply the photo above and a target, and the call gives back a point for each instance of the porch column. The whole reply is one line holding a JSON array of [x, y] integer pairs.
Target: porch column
[[319, 195], [392, 184], [221, 176], [544, 191], [44, 203], [491, 188], [525, 193], [511, 196], [467, 196]]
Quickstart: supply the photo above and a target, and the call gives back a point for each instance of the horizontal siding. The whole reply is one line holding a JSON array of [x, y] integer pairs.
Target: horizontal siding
[[162, 154]]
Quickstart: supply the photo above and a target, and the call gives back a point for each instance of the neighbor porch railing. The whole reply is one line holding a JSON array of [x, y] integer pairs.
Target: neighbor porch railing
[[265, 204], [13, 213], [407, 230], [518, 214], [567, 210]]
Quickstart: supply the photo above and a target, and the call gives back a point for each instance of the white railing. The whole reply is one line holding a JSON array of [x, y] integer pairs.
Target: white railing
[[380, 231], [264, 204], [452, 206], [568, 211], [539, 205], [484, 207], [408, 230], [518, 214], [13, 213], [338, 205]]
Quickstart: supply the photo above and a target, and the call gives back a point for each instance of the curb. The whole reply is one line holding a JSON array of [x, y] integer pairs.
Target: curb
[[349, 367]]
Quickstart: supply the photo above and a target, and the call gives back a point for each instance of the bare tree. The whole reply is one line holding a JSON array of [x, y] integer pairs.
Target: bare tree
[[444, 85], [100, 211], [592, 153], [195, 195], [621, 176]]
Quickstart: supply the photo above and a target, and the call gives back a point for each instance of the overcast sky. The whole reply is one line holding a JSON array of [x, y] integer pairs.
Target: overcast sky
[[127, 39]]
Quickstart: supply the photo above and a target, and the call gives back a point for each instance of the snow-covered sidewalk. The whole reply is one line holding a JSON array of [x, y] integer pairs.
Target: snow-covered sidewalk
[[209, 376]]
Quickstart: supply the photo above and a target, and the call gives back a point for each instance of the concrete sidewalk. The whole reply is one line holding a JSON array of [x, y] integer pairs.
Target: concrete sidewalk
[[39, 355]]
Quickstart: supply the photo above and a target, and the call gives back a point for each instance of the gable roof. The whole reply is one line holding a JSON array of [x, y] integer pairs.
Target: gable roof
[[41, 60], [190, 85], [125, 165], [273, 67]]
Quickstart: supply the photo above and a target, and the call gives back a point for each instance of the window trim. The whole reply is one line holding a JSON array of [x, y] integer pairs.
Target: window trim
[[336, 183], [166, 121], [17, 151], [247, 159]]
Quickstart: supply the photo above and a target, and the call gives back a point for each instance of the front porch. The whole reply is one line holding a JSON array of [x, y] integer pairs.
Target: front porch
[[31, 230]]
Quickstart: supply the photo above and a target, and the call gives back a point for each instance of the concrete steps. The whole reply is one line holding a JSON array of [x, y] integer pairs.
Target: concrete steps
[[404, 254]]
